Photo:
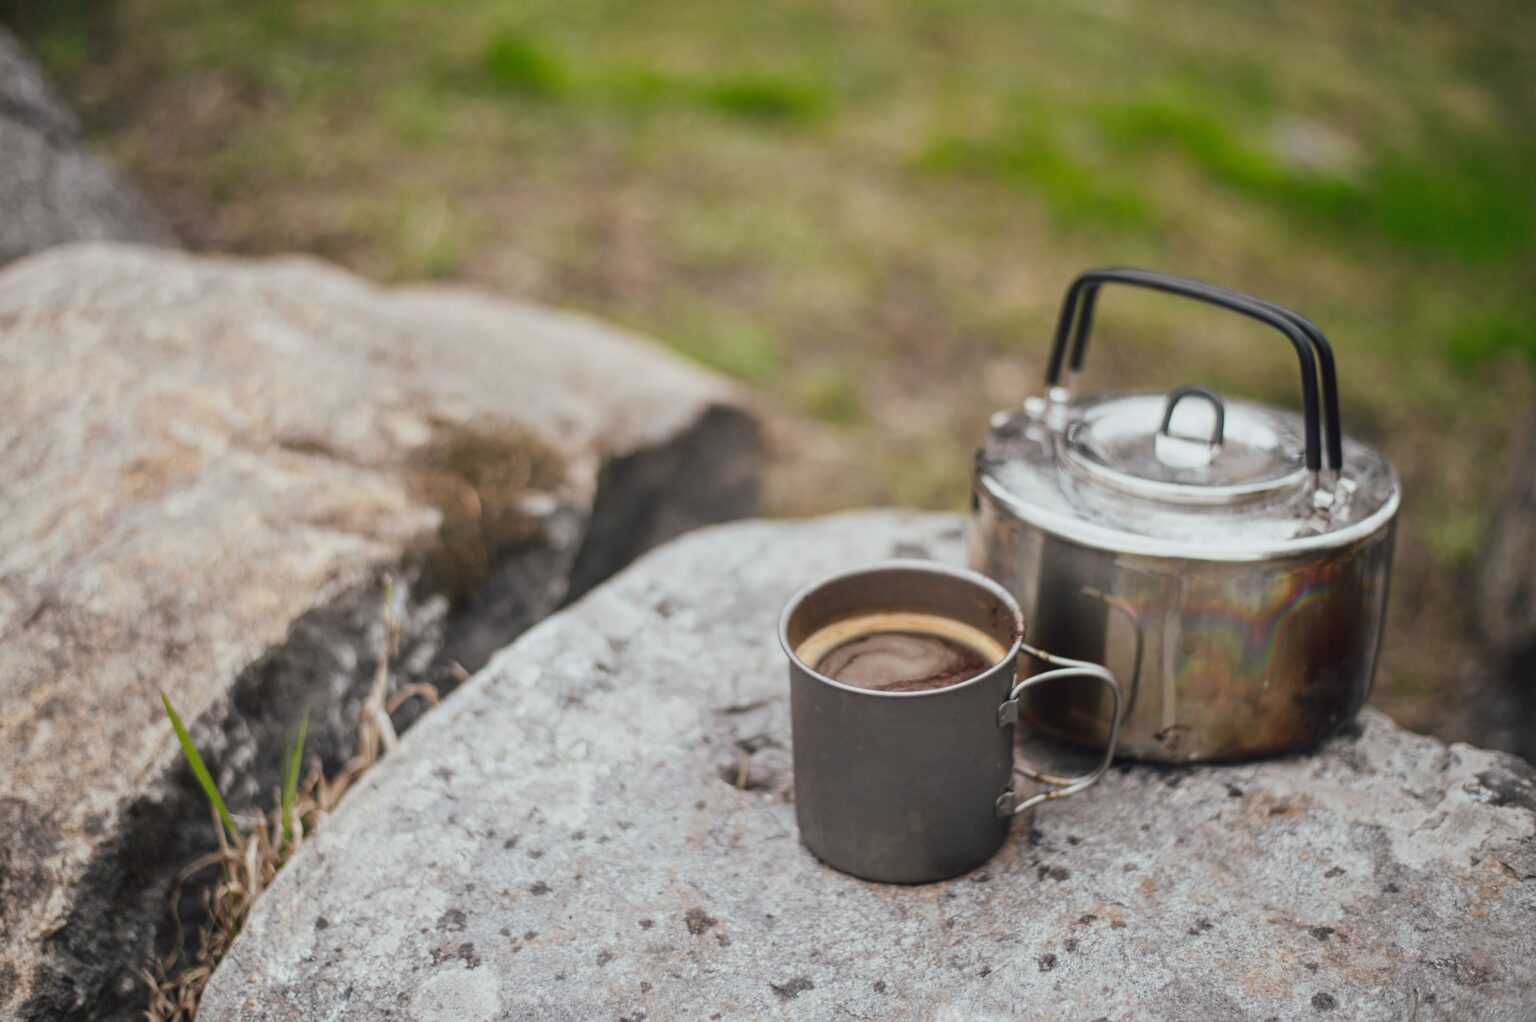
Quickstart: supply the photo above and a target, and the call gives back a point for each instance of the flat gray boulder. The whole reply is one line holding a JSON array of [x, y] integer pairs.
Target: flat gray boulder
[[208, 467], [52, 189], [566, 839]]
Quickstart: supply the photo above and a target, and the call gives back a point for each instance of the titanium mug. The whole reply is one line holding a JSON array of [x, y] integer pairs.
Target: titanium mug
[[911, 787]]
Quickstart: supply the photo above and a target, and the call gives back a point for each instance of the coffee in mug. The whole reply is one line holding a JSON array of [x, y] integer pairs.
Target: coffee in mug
[[900, 651]]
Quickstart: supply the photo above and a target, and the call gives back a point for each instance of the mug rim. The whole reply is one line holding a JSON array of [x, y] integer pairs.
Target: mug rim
[[905, 563]]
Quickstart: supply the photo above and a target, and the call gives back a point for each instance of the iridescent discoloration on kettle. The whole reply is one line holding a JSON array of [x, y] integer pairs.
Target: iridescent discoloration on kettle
[[1234, 582]]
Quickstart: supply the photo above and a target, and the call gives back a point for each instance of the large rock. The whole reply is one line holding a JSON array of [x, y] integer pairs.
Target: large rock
[[565, 840], [207, 468], [1507, 602], [52, 190]]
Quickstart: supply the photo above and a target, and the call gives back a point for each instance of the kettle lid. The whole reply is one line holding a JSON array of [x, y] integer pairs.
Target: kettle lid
[[1182, 451], [1091, 470]]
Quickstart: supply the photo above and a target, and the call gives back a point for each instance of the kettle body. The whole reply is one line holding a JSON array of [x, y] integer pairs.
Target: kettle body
[[1203, 549]]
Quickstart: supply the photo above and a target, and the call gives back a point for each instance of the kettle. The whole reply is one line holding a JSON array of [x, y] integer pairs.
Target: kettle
[[1228, 561]]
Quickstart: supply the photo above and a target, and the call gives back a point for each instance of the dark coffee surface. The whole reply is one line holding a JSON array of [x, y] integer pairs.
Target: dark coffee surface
[[902, 661]]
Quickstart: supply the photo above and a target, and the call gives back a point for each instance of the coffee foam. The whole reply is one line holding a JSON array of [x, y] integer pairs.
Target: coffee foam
[[829, 637]]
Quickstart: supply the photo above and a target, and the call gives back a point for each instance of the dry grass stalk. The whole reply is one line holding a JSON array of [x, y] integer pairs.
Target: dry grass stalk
[[250, 857]]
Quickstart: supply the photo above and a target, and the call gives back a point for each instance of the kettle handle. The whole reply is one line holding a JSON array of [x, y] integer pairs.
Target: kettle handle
[[1304, 335]]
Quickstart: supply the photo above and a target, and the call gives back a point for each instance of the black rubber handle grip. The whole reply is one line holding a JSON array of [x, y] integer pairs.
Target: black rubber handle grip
[[1082, 296]]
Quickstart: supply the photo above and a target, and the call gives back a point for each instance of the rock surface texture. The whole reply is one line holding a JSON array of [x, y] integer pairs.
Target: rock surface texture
[[565, 839], [52, 190], [208, 467]]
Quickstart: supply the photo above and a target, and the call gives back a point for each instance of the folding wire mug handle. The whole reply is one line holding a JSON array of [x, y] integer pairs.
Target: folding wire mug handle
[[1008, 713]]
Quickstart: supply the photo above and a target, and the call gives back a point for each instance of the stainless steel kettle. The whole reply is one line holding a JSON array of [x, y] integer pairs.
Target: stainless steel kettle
[[1234, 582]]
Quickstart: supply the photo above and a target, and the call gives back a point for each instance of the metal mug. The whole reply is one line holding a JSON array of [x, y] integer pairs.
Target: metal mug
[[910, 787]]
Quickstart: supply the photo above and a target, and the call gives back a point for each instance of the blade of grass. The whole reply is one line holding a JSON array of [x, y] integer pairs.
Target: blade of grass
[[250, 861], [199, 768], [291, 780]]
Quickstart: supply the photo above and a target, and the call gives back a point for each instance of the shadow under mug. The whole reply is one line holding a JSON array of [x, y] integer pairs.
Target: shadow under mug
[[910, 787]]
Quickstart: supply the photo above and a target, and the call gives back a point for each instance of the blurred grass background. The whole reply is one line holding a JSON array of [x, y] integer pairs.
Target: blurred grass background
[[868, 208]]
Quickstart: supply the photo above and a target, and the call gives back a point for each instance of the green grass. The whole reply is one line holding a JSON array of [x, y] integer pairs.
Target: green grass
[[199, 768], [293, 761], [1217, 149], [1464, 196], [830, 393], [1032, 157], [1474, 203], [1481, 333], [518, 63], [869, 209], [728, 341], [766, 98]]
